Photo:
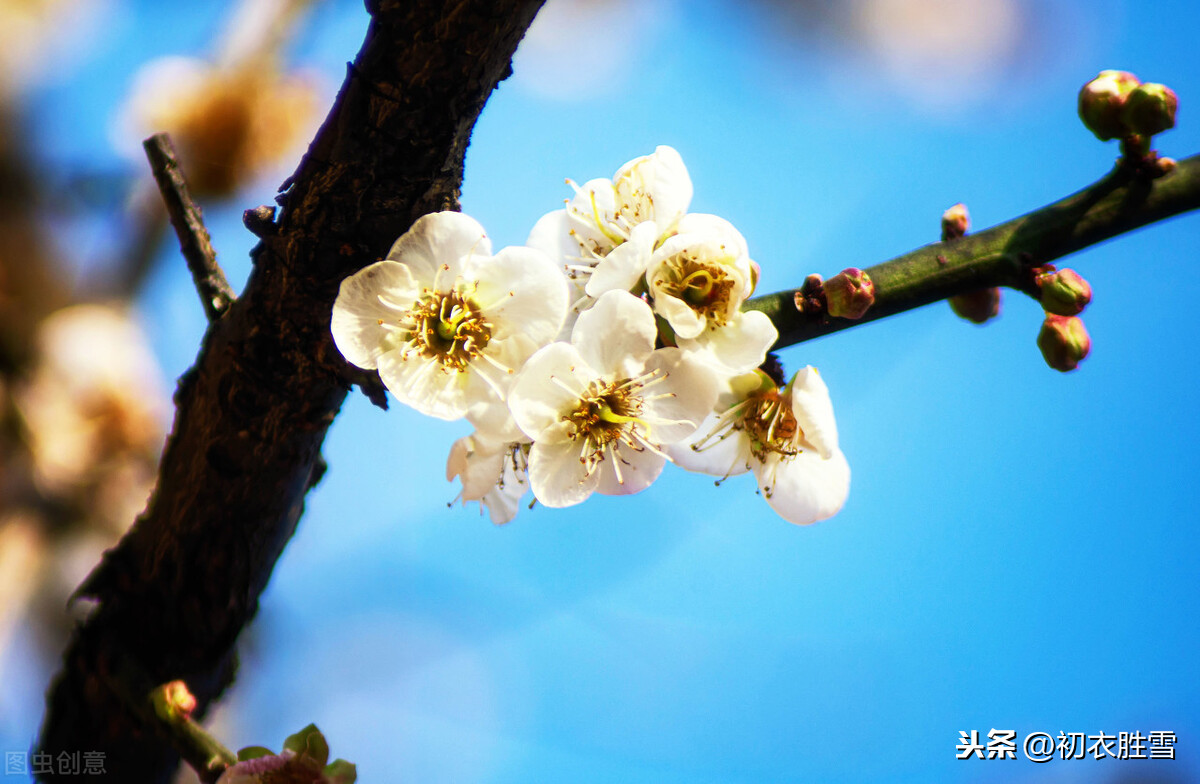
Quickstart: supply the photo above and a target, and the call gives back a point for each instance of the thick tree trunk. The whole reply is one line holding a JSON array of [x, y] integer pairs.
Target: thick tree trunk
[[253, 411]]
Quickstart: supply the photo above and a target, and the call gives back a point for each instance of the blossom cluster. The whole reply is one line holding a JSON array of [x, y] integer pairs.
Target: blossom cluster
[[611, 343]]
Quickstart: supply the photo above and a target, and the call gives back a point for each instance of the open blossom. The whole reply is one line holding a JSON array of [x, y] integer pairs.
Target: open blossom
[[698, 280], [600, 408], [787, 437], [494, 473], [446, 323], [608, 230]]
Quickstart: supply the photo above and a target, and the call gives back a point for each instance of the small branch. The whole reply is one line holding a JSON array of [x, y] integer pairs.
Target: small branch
[[215, 292], [1003, 255]]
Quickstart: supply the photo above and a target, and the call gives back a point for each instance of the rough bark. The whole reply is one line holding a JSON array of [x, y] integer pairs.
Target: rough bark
[[252, 412]]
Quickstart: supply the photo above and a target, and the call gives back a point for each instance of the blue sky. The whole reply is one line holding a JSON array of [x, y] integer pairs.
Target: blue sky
[[1019, 549]]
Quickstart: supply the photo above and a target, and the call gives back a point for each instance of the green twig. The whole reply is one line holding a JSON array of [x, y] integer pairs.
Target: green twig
[[1003, 255]]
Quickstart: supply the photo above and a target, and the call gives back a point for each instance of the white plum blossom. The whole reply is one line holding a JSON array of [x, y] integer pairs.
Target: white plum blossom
[[446, 323], [492, 473], [616, 341], [600, 408], [787, 437], [698, 279], [608, 230]]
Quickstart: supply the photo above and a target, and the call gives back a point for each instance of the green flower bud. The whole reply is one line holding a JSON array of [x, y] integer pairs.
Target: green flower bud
[[1150, 109], [849, 294], [1064, 293], [1064, 342], [1101, 101], [977, 306]]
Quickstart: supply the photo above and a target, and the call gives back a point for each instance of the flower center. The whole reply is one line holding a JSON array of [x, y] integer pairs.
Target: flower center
[[450, 328], [707, 288], [609, 415], [771, 425], [604, 411]]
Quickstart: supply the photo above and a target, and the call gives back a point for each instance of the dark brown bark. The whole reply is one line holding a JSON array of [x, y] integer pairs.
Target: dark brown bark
[[253, 411]]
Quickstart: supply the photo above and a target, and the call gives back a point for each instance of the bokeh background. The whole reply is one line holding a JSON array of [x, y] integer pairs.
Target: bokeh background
[[1019, 549]]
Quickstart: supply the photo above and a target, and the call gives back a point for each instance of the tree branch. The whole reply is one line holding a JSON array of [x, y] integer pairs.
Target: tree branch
[[216, 295], [1003, 255], [254, 409]]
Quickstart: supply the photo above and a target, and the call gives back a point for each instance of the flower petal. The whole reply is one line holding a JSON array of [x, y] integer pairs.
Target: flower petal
[[440, 238], [723, 453], [591, 219], [626, 263], [521, 290], [637, 471], [550, 384], [717, 232], [422, 383], [663, 178], [739, 346], [478, 463], [805, 488], [814, 410], [676, 406], [557, 476], [616, 335], [550, 236], [685, 322], [368, 306]]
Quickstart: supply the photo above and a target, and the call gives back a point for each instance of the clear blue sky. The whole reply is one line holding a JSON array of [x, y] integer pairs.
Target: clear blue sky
[[1019, 549]]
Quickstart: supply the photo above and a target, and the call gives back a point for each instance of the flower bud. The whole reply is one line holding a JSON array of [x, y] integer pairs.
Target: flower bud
[[1064, 342], [849, 294], [1149, 109], [1064, 293], [977, 306], [176, 698], [1101, 101], [955, 222]]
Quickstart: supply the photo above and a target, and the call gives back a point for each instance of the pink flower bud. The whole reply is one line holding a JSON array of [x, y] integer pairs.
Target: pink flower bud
[[1064, 293], [849, 294], [977, 306], [1101, 101], [1150, 109], [955, 222], [1064, 342], [178, 698]]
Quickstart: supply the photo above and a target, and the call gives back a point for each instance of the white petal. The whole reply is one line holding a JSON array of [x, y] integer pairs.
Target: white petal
[[676, 406], [626, 263], [683, 320], [440, 238], [805, 488], [503, 503], [664, 178], [549, 386], [381, 292], [549, 235], [637, 471], [479, 463], [715, 231], [493, 420], [814, 410], [616, 335], [521, 290], [488, 475], [739, 346], [422, 383], [557, 476], [595, 202], [719, 454]]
